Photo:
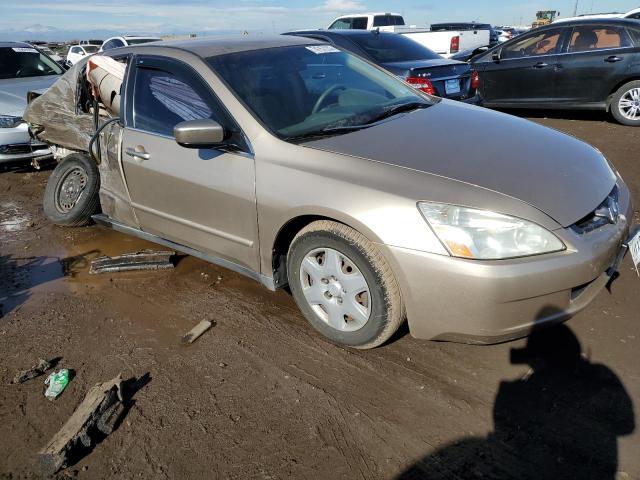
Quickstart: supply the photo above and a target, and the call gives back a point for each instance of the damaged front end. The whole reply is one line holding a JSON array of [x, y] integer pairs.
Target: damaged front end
[[80, 114]]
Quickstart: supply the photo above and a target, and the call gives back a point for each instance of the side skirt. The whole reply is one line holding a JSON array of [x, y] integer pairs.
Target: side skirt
[[105, 221]]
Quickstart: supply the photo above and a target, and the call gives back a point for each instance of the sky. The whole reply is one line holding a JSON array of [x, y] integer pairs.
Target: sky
[[66, 19]]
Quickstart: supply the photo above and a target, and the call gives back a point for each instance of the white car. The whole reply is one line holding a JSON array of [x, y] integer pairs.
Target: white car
[[125, 41], [78, 52]]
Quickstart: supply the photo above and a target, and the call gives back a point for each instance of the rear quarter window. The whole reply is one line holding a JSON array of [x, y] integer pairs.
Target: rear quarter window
[[635, 36]]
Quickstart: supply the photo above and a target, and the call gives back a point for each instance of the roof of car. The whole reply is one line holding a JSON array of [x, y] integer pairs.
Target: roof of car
[[591, 21], [345, 32], [213, 46], [369, 14], [15, 44]]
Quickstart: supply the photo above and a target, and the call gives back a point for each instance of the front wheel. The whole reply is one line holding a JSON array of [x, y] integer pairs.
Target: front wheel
[[343, 285], [625, 105], [71, 195]]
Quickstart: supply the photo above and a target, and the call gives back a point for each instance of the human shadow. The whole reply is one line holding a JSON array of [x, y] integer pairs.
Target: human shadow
[[19, 275], [561, 420]]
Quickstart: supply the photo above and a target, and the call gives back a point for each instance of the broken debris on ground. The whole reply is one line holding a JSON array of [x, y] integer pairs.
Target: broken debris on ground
[[197, 331], [142, 260], [39, 369], [98, 413]]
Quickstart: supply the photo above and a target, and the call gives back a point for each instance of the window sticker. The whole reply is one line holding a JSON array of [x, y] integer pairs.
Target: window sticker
[[320, 49], [24, 50]]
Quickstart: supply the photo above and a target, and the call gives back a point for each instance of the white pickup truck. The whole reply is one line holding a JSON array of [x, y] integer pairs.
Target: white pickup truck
[[440, 38]]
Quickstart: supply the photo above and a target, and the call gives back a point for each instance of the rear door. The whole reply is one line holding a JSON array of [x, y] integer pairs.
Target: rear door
[[595, 60], [526, 71], [201, 198]]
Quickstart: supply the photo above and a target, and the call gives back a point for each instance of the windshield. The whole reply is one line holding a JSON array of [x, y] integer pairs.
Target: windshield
[[23, 61], [300, 90], [90, 48], [390, 47]]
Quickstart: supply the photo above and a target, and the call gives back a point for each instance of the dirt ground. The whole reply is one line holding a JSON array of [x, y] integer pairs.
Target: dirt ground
[[261, 395]]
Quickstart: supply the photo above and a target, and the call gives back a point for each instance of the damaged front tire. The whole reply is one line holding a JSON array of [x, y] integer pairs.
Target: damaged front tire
[[71, 195]]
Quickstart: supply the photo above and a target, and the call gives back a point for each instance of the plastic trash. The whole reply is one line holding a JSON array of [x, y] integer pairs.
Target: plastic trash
[[56, 382]]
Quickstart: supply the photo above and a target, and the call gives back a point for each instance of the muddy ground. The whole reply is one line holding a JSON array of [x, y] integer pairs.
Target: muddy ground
[[261, 395]]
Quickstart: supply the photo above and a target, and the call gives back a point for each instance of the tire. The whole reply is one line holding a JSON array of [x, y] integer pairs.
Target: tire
[[374, 308], [629, 93], [71, 195]]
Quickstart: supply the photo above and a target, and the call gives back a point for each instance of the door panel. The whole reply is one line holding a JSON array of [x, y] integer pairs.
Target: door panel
[[520, 81], [202, 198], [525, 72], [596, 60]]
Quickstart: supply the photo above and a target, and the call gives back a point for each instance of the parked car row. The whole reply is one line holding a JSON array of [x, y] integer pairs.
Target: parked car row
[[446, 39]]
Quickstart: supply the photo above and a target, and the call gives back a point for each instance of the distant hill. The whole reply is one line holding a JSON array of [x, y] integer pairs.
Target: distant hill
[[48, 33]]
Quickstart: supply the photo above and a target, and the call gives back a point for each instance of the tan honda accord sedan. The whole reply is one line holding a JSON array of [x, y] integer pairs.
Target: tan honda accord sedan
[[299, 164]]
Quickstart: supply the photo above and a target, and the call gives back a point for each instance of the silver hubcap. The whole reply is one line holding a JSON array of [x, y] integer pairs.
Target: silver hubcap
[[70, 189], [335, 289], [630, 104]]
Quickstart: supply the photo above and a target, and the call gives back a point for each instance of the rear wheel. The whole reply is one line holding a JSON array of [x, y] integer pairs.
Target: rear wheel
[[344, 286], [71, 195], [625, 105]]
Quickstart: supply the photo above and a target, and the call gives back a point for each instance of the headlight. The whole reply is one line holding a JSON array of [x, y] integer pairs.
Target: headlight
[[9, 121], [485, 235]]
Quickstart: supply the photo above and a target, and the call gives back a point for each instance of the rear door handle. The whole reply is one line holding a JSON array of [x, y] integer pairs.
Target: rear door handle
[[613, 59], [541, 65], [137, 153]]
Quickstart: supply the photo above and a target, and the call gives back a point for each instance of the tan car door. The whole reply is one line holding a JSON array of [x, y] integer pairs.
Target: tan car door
[[201, 198]]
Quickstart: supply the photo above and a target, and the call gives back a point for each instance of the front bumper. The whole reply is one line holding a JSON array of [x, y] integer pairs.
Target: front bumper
[[17, 145], [486, 302]]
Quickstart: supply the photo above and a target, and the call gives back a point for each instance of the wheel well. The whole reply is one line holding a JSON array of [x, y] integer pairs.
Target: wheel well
[[282, 242], [615, 89]]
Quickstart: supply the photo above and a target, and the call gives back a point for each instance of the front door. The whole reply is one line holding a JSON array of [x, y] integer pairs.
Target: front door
[[597, 58], [525, 73], [201, 198]]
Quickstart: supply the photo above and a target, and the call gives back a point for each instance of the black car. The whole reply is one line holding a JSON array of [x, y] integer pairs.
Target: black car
[[582, 64], [414, 63]]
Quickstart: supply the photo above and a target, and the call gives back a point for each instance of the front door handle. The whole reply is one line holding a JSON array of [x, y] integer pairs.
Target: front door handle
[[613, 59], [138, 153], [541, 65]]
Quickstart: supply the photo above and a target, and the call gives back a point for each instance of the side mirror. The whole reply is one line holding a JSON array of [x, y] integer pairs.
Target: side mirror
[[496, 55], [199, 133]]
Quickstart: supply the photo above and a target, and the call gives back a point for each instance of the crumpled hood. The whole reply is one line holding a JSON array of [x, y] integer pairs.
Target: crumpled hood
[[558, 174], [13, 92]]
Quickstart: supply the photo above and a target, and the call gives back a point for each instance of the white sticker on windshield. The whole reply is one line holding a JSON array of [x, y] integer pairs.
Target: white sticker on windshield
[[318, 49], [24, 50]]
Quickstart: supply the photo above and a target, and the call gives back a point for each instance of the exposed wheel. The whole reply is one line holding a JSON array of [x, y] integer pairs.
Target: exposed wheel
[[71, 195], [343, 285], [625, 105]]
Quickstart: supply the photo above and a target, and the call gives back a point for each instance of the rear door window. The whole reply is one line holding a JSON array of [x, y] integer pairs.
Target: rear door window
[[387, 20], [597, 37], [359, 23], [635, 36], [164, 98]]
